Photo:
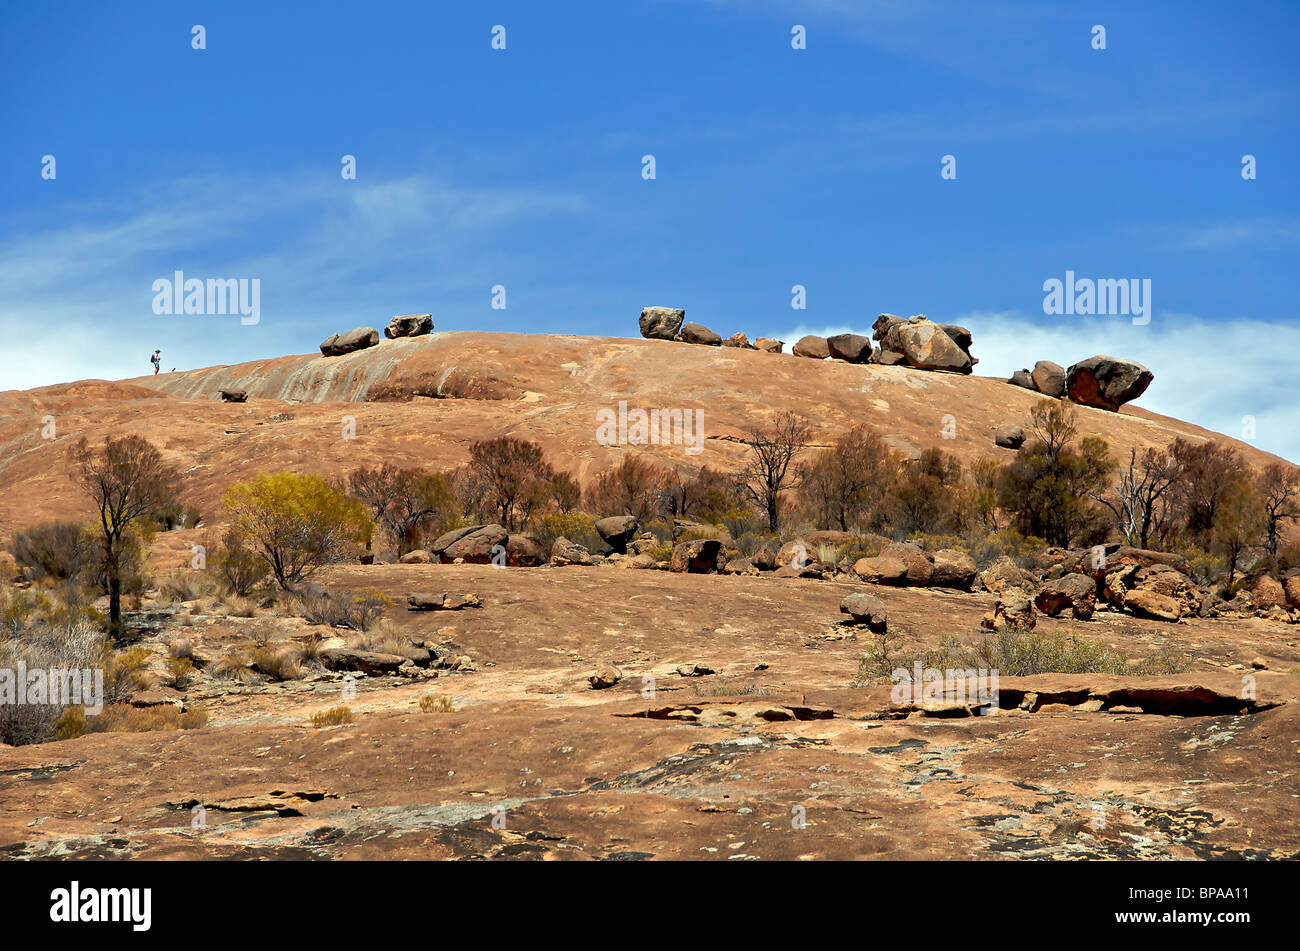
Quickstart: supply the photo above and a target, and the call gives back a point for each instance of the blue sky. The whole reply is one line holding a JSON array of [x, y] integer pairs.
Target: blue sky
[[774, 167]]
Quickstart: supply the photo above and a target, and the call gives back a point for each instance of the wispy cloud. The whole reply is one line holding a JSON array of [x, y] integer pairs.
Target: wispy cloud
[[75, 300], [1213, 373]]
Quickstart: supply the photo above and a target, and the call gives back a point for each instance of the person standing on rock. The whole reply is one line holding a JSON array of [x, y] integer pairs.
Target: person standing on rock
[[156, 360]]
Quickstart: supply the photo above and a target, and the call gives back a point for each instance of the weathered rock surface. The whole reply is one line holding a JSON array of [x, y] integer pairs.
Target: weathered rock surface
[[661, 323], [476, 546], [1107, 382], [1009, 436], [812, 347], [923, 344], [699, 334], [409, 325], [853, 348], [359, 338], [565, 552], [768, 345], [617, 530], [1049, 378], [953, 569], [697, 556], [866, 609], [740, 341], [1074, 591]]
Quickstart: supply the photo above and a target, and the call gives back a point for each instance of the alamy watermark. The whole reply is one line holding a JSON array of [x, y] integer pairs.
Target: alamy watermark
[[213, 297], [21, 685], [1122, 297], [655, 427]]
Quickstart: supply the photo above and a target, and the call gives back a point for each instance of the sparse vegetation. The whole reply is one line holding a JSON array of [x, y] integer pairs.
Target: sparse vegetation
[[432, 703], [335, 716], [297, 524]]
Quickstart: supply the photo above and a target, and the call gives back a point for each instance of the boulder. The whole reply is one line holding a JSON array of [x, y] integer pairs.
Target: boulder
[[797, 553], [352, 658], [606, 675], [1003, 574], [443, 602], [953, 569], [960, 335], [866, 609], [524, 551], [234, 396], [924, 345], [359, 338], [417, 557], [880, 570], [854, 348], [1009, 436], [1022, 378], [698, 333], [1107, 382], [811, 346], [738, 340], [1049, 378], [661, 323], [920, 569], [1013, 608], [1291, 587], [1073, 591], [1150, 604], [740, 566], [409, 325], [1268, 592], [888, 358], [476, 547], [617, 530], [768, 345], [445, 540], [698, 556], [565, 552], [765, 557]]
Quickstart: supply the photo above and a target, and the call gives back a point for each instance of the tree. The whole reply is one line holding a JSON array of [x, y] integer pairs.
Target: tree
[[770, 469], [844, 484], [1142, 486], [635, 486], [922, 497], [1279, 488], [128, 481], [566, 492], [1205, 472], [1049, 485], [405, 502], [508, 478], [296, 523], [982, 505], [1239, 520]]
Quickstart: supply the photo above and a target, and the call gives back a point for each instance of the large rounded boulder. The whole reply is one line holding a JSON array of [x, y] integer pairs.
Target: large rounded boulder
[[1107, 382], [661, 323], [358, 338], [812, 347]]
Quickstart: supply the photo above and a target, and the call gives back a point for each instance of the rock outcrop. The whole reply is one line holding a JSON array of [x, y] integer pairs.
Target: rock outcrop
[[409, 325], [866, 609], [358, 338], [661, 323], [740, 341], [923, 344], [617, 530], [1009, 436], [812, 347], [1049, 378], [768, 345], [1107, 382], [698, 333], [853, 348]]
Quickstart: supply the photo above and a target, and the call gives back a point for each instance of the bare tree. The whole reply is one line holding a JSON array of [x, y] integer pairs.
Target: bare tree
[[633, 487], [509, 478], [841, 486], [1280, 487], [1141, 487], [127, 480], [405, 502], [770, 469]]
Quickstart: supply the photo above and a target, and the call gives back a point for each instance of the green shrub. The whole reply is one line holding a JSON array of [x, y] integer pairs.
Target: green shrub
[[574, 526]]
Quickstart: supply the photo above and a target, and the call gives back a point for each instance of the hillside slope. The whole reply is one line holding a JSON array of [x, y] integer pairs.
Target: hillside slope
[[552, 387]]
